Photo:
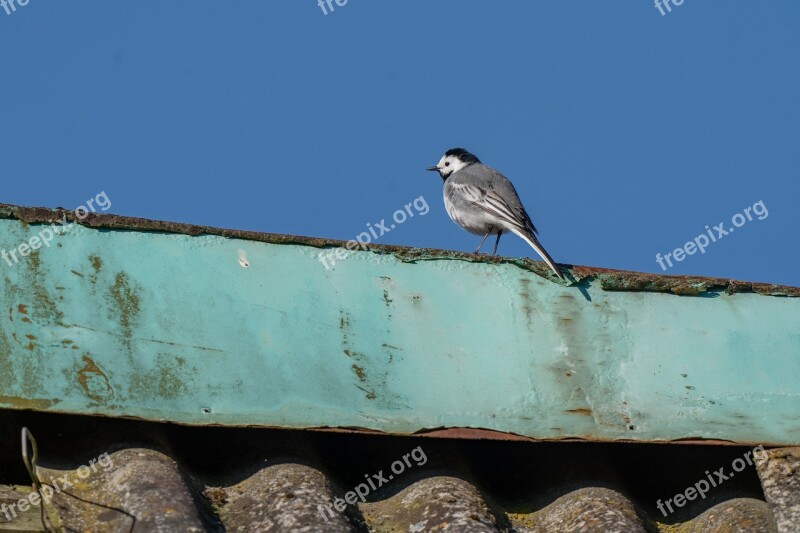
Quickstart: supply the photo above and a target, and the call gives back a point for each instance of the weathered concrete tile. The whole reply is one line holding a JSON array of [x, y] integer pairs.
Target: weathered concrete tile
[[12, 518], [779, 471], [135, 482], [740, 515], [283, 497], [585, 510], [432, 504]]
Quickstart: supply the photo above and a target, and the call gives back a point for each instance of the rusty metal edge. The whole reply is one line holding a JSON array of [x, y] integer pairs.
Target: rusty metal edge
[[467, 433], [609, 279], [453, 433]]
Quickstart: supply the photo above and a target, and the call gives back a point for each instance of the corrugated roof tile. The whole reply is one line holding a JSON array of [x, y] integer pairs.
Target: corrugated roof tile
[[283, 497], [143, 487], [780, 476], [438, 503], [222, 479], [587, 509]]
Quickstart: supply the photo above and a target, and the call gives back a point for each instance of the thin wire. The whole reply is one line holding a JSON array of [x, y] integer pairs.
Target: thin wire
[[30, 465], [112, 508]]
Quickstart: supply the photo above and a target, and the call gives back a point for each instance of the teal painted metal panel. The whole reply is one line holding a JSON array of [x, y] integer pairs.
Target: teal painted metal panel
[[170, 326]]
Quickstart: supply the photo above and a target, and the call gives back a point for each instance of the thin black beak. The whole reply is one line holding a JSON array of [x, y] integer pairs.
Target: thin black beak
[[435, 169]]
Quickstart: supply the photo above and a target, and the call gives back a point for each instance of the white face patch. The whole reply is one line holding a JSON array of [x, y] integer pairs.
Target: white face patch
[[449, 164]]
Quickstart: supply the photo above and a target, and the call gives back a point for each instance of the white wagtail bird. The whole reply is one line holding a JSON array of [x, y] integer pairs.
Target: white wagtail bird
[[484, 202]]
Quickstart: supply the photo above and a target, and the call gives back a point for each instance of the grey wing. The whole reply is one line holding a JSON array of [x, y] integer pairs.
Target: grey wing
[[499, 195]]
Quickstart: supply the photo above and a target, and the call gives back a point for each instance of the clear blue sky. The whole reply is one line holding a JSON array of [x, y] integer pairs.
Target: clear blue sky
[[625, 132]]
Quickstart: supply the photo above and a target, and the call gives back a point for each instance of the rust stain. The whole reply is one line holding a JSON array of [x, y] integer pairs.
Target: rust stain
[[96, 262], [31, 345], [35, 259], [368, 388], [97, 265], [44, 307], [580, 411], [166, 380], [369, 394], [359, 372], [22, 309], [374, 387], [36, 404], [206, 348], [6, 353], [126, 308], [94, 381], [170, 384]]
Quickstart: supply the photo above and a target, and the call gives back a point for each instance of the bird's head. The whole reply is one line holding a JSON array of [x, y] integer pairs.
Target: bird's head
[[454, 160]]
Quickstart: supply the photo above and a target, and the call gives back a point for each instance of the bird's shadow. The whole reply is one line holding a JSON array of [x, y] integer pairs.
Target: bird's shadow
[[582, 285]]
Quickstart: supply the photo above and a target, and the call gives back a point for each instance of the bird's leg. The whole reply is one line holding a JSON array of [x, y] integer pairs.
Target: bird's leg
[[483, 240], [499, 233]]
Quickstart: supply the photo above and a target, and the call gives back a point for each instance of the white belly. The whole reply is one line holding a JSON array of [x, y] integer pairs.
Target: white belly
[[473, 220]]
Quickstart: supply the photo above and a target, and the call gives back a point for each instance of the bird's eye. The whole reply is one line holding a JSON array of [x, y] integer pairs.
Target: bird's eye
[[447, 164]]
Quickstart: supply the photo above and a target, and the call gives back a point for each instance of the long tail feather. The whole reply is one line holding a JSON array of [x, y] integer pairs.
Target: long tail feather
[[531, 239]]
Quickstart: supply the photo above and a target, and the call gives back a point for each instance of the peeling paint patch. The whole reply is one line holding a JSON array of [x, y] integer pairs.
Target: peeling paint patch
[[370, 395], [36, 404], [166, 380], [97, 266], [96, 262], [580, 411], [125, 306], [6, 361], [359, 372], [44, 308], [94, 381]]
